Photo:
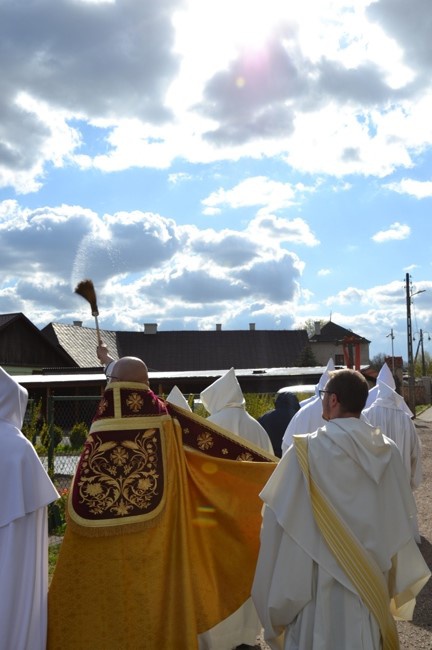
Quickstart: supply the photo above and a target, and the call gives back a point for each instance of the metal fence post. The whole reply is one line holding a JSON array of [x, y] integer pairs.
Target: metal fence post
[[50, 423]]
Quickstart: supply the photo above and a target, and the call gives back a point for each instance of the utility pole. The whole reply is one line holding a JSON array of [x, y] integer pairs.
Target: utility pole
[[392, 339], [411, 378]]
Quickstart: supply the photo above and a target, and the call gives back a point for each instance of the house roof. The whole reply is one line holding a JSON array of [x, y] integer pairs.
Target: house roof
[[6, 319], [22, 344], [185, 350], [81, 342], [333, 333]]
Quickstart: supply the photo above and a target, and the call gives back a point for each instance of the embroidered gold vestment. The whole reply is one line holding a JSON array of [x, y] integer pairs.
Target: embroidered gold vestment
[[163, 528]]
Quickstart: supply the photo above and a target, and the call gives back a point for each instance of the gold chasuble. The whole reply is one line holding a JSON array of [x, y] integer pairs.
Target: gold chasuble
[[163, 528]]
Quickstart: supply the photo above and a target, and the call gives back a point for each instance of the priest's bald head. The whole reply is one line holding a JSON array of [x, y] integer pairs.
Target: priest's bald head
[[130, 369]]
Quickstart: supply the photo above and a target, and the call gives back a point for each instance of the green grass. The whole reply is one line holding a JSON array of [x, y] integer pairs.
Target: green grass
[[421, 407]]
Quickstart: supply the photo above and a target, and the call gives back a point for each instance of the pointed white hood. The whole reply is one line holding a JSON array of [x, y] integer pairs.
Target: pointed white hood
[[24, 483], [321, 383], [326, 374], [223, 392], [385, 375], [386, 390], [177, 398], [13, 400]]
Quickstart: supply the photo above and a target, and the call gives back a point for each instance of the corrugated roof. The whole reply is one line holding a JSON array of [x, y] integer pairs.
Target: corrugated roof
[[200, 350], [186, 350], [81, 342]]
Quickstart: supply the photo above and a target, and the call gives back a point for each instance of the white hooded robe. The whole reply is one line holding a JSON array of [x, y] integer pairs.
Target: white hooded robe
[[25, 491], [224, 400]]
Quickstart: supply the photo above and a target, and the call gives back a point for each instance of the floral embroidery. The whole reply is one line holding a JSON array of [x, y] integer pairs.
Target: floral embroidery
[[119, 456], [245, 456], [121, 477], [225, 451], [135, 402], [205, 441], [93, 489]]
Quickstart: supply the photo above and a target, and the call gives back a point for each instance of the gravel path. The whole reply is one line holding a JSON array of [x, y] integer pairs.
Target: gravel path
[[417, 634]]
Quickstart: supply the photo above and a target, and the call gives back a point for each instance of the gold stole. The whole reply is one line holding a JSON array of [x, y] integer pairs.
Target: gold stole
[[353, 558]]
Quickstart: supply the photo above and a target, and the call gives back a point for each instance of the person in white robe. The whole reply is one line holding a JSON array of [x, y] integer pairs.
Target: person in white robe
[[225, 402], [337, 559], [394, 422], [309, 417], [25, 492], [385, 375], [321, 383]]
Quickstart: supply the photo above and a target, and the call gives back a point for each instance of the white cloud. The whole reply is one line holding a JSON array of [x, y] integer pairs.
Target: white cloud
[[419, 189], [396, 231], [271, 229], [258, 191]]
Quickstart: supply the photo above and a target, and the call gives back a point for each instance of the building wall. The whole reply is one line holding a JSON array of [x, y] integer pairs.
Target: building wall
[[325, 351]]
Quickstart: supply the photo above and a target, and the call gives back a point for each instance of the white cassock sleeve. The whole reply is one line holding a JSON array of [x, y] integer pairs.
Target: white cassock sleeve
[[283, 580]]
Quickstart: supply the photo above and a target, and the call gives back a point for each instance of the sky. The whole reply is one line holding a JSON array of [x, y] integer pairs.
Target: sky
[[223, 162]]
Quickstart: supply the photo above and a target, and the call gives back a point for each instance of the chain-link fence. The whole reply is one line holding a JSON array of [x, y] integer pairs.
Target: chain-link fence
[[58, 438], [69, 419]]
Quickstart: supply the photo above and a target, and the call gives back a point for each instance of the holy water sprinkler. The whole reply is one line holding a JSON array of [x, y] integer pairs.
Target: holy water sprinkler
[[86, 289]]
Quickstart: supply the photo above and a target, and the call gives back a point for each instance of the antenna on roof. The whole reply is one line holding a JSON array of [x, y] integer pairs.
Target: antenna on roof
[[330, 316]]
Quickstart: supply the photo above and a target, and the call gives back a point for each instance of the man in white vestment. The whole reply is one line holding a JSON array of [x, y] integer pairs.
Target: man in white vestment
[[338, 560], [309, 417], [25, 492], [225, 402], [394, 422]]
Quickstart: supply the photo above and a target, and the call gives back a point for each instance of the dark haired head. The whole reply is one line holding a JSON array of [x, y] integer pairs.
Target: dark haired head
[[351, 389]]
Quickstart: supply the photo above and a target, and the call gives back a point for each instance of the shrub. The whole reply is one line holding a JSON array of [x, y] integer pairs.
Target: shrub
[[56, 433], [258, 403], [78, 435], [33, 421]]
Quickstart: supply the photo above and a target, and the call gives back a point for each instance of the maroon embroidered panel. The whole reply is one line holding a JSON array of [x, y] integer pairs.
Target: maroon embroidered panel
[[120, 474], [207, 438], [135, 402]]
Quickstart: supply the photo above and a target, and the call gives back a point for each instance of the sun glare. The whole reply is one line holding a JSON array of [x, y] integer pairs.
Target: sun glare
[[249, 24], [222, 27]]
